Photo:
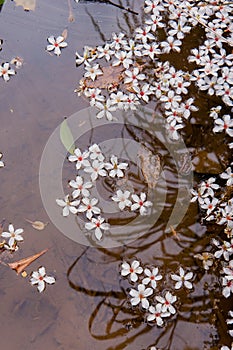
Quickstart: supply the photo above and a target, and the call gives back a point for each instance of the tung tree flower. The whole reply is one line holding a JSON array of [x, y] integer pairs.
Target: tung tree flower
[[56, 44], [132, 270], [182, 279], [140, 296], [13, 235], [40, 278]]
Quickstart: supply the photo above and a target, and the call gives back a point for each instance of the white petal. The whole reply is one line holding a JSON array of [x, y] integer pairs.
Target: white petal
[[49, 279], [41, 286]]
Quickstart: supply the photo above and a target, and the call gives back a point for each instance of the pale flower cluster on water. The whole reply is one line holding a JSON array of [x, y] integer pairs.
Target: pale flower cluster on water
[[157, 305]]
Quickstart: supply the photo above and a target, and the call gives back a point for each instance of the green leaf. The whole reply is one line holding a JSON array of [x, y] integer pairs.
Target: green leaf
[[1, 2], [67, 137]]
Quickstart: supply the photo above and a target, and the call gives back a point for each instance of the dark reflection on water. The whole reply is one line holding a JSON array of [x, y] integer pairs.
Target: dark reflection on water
[[91, 311]]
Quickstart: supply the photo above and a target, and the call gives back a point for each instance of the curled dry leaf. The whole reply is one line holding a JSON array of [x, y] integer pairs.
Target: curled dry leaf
[[150, 165], [38, 225], [20, 266], [111, 78]]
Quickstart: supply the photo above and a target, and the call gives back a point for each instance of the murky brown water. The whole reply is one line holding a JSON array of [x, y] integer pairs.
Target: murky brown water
[[87, 307]]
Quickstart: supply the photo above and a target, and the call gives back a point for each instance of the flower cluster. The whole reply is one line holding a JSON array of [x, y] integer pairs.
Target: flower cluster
[[147, 294], [217, 205], [14, 236], [92, 165], [136, 83], [6, 71]]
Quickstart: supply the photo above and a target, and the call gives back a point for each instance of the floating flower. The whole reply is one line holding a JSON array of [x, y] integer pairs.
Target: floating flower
[[141, 203], [89, 207], [1, 162], [95, 152], [225, 249], [182, 279], [116, 169], [224, 124], [96, 169], [80, 187], [228, 175], [140, 296], [40, 278], [6, 71], [105, 109], [152, 277], [80, 158], [133, 270], [92, 72], [167, 302], [13, 235], [56, 44], [156, 314], [68, 206], [122, 198], [98, 225]]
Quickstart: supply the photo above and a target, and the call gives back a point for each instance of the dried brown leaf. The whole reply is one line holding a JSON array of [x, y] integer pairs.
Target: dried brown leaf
[[111, 77], [150, 166], [20, 266], [38, 225], [65, 34]]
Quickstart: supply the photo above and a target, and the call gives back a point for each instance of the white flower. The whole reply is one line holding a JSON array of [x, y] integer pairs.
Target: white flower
[[118, 99], [131, 102], [105, 109], [94, 95], [56, 44], [228, 175], [98, 225], [1, 162], [95, 152], [143, 92], [207, 187], [144, 34], [167, 302], [89, 207], [96, 169], [224, 347], [227, 287], [171, 44], [89, 54], [68, 206], [40, 278], [172, 128], [13, 235], [140, 296], [122, 198], [6, 71], [152, 277], [224, 124], [133, 76], [118, 41], [153, 6], [105, 51], [141, 203], [182, 279], [92, 71], [187, 107], [171, 100], [80, 158], [225, 249], [155, 21], [81, 187], [124, 58], [116, 169], [209, 205], [157, 314], [133, 270], [151, 50]]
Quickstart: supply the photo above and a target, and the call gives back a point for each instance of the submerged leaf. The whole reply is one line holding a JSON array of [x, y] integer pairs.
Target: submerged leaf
[[20, 266], [110, 79], [27, 4], [67, 137], [65, 34], [150, 166], [38, 225]]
